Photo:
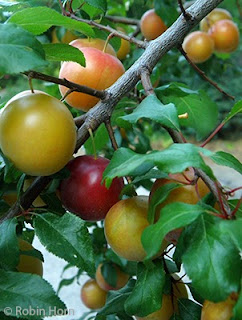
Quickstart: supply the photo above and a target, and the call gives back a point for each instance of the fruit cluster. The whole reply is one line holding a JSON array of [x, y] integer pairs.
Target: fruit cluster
[[217, 33]]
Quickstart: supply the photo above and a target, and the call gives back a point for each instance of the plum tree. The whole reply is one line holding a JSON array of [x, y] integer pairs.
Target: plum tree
[[100, 72], [121, 278], [20, 135], [92, 295], [152, 26], [199, 46], [128, 217]]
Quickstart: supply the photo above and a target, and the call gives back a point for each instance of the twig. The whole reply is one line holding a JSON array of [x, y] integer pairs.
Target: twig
[[28, 197], [219, 127], [146, 82], [239, 8], [236, 208], [186, 15], [101, 94], [111, 134], [203, 75], [138, 43], [123, 20], [80, 120]]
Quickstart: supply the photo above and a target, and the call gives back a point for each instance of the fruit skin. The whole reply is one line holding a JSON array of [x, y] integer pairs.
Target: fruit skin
[[225, 35], [66, 38], [220, 310], [101, 71], [186, 194], [152, 25], [37, 133], [169, 303], [199, 46], [28, 264], [82, 192], [92, 295], [124, 48], [122, 279], [214, 16], [128, 217], [93, 43]]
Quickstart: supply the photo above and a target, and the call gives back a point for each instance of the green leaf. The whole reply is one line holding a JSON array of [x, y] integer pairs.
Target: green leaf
[[9, 249], [101, 139], [20, 291], [233, 228], [68, 238], [109, 273], [4, 207], [19, 50], [65, 282], [39, 19], [238, 307], [166, 10], [151, 108], [189, 310], [174, 159], [147, 291], [237, 108], [116, 300], [226, 159], [215, 255], [63, 52], [202, 111], [173, 216], [100, 4]]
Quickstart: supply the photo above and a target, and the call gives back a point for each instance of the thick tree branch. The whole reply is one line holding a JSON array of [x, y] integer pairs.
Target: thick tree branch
[[155, 50], [64, 82]]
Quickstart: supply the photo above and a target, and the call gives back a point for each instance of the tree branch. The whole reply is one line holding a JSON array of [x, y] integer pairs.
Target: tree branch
[[203, 75], [123, 20], [155, 50], [101, 94]]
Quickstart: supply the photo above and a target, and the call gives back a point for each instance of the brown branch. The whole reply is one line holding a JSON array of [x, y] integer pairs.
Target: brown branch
[[219, 127], [186, 15], [203, 75], [123, 20], [111, 134], [138, 43], [155, 50], [101, 94], [146, 82]]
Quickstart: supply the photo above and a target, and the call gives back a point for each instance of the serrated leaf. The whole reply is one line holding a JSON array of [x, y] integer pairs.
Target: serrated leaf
[[68, 238], [9, 249], [147, 291], [151, 108], [204, 242], [63, 52], [237, 108], [172, 216], [202, 111], [189, 310], [20, 291], [19, 50], [116, 300], [174, 159], [39, 19]]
